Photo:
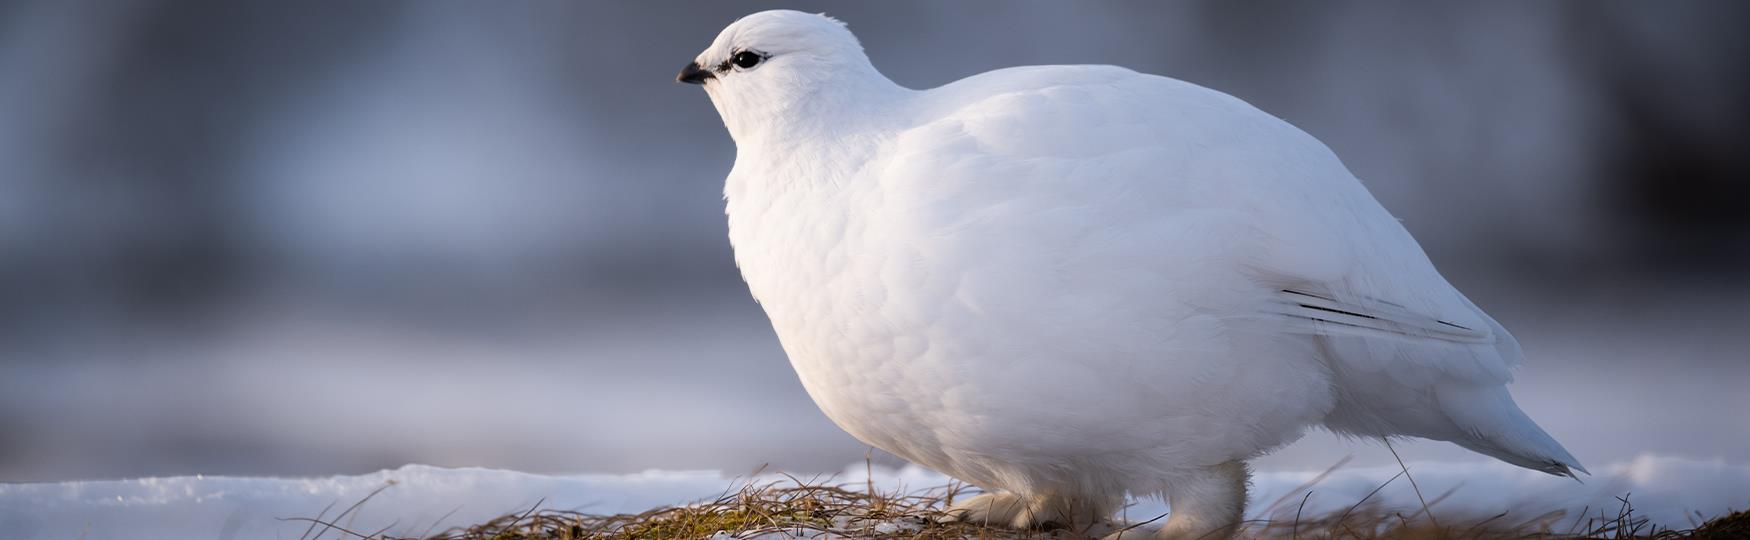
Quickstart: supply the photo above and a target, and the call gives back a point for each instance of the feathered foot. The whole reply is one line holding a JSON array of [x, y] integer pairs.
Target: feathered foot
[[1207, 504], [1036, 513]]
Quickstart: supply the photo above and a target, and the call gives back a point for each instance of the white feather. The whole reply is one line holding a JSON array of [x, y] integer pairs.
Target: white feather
[[1080, 280]]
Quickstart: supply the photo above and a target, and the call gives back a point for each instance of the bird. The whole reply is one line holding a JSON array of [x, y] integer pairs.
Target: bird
[[1071, 284]]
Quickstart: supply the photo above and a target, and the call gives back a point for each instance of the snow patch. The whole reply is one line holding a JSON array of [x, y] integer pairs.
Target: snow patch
[[419, 498]]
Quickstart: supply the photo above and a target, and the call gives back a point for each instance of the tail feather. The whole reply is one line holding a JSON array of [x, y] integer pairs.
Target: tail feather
[[1492, 424]]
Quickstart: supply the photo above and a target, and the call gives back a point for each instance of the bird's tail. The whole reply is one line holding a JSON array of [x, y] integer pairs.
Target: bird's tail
[[1494, 426]]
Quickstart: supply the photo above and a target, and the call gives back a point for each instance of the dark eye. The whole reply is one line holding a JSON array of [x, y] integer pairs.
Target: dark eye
[[747, 59]]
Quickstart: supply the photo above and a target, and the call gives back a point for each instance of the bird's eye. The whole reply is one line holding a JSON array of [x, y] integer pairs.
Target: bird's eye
[[747, 59]]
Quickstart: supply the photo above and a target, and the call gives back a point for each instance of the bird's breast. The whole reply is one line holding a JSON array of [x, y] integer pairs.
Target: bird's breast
[[845, 299]]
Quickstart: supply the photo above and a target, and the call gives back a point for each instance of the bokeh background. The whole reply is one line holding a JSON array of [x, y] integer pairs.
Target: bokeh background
[[330, 237]]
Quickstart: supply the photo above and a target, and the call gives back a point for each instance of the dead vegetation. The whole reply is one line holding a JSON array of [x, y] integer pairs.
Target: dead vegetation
[[794, 508]]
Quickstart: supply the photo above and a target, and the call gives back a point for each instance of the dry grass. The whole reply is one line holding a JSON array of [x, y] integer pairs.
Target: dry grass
[[792, 507], [811, 509]]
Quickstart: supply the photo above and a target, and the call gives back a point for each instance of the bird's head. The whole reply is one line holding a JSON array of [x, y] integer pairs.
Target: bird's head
[[776, 67]]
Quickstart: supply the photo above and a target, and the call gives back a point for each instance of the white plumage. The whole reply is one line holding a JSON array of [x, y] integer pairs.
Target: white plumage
[[1065, 283]]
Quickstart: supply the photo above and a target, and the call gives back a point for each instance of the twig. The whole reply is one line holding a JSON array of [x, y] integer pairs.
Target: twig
[[319, 515], [1307, 485], [1370, 495], [329, 525], [440, 519], [350, 509], [1413, 486], [1295, 534]]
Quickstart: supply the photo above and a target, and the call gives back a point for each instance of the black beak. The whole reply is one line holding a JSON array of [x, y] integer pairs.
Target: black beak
[[693, 74]]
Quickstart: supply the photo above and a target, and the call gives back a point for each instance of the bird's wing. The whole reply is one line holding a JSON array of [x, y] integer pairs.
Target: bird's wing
[[1239, 214], [1409, 354], [1361, 316], [1219, 188]]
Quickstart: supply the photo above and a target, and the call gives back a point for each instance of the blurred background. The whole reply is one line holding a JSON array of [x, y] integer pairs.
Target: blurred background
[[332, 237]]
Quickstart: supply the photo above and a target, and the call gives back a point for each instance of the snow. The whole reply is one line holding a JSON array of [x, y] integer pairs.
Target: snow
[[419, 498]]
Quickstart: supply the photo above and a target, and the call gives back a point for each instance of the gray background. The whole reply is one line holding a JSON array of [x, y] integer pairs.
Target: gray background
[[330, 237]]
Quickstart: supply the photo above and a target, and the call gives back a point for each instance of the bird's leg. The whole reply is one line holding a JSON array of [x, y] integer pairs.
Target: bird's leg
[[1206, 504], [1004, 509], [995, 508]]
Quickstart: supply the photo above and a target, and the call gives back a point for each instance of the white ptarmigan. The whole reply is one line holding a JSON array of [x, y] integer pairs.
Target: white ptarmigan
[[1068, 283]]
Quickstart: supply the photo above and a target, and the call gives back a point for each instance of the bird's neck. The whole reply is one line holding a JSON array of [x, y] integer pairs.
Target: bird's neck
[[807, 154], [821, 113]]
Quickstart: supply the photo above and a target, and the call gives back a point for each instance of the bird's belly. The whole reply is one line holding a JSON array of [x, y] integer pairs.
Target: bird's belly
[[942, 375], [1000, 362]]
